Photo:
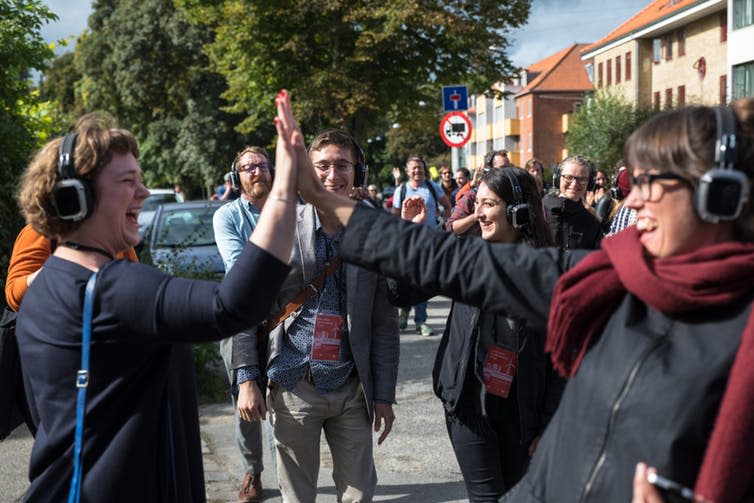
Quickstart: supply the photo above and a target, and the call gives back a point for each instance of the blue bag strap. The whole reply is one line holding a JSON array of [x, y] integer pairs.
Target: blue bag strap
[[82, 381]]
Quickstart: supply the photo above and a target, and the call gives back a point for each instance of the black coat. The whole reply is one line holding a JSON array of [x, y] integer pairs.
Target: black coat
[[648, 388], [538, 387], [573, 226]]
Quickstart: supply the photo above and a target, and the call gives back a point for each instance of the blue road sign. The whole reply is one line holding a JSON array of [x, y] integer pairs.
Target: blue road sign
[[455, 98]]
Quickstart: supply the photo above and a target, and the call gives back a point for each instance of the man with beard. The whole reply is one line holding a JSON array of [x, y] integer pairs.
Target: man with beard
[[233, 223]]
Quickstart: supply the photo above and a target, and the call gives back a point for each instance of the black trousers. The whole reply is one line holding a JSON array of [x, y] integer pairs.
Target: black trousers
[[489, 450]]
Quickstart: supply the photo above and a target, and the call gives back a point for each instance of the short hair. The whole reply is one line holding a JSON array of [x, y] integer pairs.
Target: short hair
[[340, 138], [96, 144], [682, 141], [465, 171], [250, 150], [579, 160], [372, 187]]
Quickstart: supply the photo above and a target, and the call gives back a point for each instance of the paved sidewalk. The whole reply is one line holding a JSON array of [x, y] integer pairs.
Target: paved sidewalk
[[414, 464]]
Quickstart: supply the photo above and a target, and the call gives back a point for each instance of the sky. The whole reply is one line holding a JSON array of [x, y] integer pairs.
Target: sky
[[553, 24]]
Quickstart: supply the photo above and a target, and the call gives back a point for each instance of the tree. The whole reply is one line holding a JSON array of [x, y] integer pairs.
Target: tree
[[24, 121], [602, 125], [355, 63], [142, 61]]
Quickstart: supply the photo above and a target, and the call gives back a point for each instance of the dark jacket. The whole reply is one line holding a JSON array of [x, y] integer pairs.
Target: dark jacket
[[573, 226], [538, 386], [648, 388]]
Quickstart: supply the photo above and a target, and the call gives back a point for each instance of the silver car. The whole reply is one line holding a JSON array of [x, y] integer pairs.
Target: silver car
[[181, 240], [151, 203]]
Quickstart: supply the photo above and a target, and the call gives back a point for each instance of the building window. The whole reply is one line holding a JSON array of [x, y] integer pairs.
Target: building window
[[656, 50], [656, 100], [681, 95], [743, 14], [667, 47], [743, 80], [723, 89], [529, 102], [669, 98], [617, 69], [531, 144], [590, 72], [724, 26], [682, 42], [609, 72], [599, 74], [628, 66]]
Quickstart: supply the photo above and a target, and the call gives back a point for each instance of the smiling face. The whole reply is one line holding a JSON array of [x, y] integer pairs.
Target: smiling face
[[334, 166], [119, 194], [490, 211], [667, 221], [256, 183], [573, 181], [461, 179], [415, 171]]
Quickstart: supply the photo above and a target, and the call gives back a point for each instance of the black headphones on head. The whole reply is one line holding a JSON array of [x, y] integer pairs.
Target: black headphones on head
[[723, 190], [581, 160], [361, 175], [518, 213], [72, 197], [235, 177]]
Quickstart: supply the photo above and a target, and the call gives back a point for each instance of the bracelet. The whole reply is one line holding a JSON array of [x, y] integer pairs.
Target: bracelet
[[278, 198]]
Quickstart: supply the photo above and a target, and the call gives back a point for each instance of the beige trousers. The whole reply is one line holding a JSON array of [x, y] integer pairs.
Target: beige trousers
[[299, 417]]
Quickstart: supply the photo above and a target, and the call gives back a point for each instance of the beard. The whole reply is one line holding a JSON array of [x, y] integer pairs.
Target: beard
[[258, 188]]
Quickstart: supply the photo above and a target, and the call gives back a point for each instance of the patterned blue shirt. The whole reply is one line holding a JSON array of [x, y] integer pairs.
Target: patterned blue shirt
[[294, 360]]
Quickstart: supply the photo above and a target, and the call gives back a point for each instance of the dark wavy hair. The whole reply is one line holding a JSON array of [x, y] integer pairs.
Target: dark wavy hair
[[537, 233]]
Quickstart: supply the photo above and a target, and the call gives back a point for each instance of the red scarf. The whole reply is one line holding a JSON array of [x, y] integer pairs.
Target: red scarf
[[586, 296]]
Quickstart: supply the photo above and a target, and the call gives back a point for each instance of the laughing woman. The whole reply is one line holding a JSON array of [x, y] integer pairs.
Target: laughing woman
[[137, 444], [655, 329]]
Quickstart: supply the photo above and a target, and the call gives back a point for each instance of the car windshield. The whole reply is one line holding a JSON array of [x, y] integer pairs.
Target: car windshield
[[152, 202], [185, 227]]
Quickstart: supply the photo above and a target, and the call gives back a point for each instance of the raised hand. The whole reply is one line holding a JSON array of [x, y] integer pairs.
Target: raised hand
[[414, 210]]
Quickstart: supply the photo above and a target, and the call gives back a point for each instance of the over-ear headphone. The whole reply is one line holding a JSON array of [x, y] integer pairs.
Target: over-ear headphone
[[722, 191], [362, 169], [518, 213], [72, 197], [580, 160], [335, 136], [235, 177]]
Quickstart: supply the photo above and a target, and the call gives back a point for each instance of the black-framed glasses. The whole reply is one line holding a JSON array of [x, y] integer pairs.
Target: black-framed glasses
[[581, 180], [645, 181], [259, 166], [340, 165]]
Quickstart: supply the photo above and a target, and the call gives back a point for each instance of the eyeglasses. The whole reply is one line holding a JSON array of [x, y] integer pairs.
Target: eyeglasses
[[645, 181], [341, 166], [248, 168], [581, 180]]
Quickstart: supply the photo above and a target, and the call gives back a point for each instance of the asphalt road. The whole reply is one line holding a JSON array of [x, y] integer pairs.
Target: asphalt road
[[415, 463]]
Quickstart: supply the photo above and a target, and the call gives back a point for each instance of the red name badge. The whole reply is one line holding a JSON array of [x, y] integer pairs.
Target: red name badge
[[326, 342], [499, 370]]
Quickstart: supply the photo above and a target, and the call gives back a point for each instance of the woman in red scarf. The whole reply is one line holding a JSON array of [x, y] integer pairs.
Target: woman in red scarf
[[653, 330]]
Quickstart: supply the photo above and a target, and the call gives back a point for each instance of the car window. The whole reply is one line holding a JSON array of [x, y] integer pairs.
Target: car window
[[185, 227], [152, 202]]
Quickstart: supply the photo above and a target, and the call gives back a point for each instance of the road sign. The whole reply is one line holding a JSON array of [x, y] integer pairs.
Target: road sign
[[455, 129], [455, 98]]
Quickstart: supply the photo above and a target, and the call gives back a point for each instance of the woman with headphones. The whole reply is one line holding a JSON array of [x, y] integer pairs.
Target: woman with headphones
[[655, 330], [497, 387]]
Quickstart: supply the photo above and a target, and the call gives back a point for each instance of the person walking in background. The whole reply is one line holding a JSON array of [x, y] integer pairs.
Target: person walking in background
[[463, 176], [433, 196], [660, 312], [447, 182], [136, 445], [332, 358], [233, 223], [572, 224], [536, 169]]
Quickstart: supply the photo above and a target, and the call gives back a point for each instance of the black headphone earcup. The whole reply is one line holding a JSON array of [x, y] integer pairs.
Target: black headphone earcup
[[235, 180], [72, 197]]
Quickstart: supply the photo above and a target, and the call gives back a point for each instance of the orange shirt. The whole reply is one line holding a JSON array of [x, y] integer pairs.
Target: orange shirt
[[30, 251]]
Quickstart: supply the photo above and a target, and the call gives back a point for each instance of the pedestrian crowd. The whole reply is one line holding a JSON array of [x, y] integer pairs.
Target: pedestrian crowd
[[600, 337]]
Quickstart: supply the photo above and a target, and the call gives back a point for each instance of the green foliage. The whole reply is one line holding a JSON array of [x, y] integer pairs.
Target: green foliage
[[25, 122], [601, 127], [357, 64], [142, 61]]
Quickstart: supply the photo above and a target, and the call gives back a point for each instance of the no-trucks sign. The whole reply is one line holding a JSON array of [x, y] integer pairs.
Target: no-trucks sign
[[455, 129]]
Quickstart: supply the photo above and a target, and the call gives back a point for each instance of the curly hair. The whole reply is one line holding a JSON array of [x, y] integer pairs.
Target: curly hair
[[96, 143]]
